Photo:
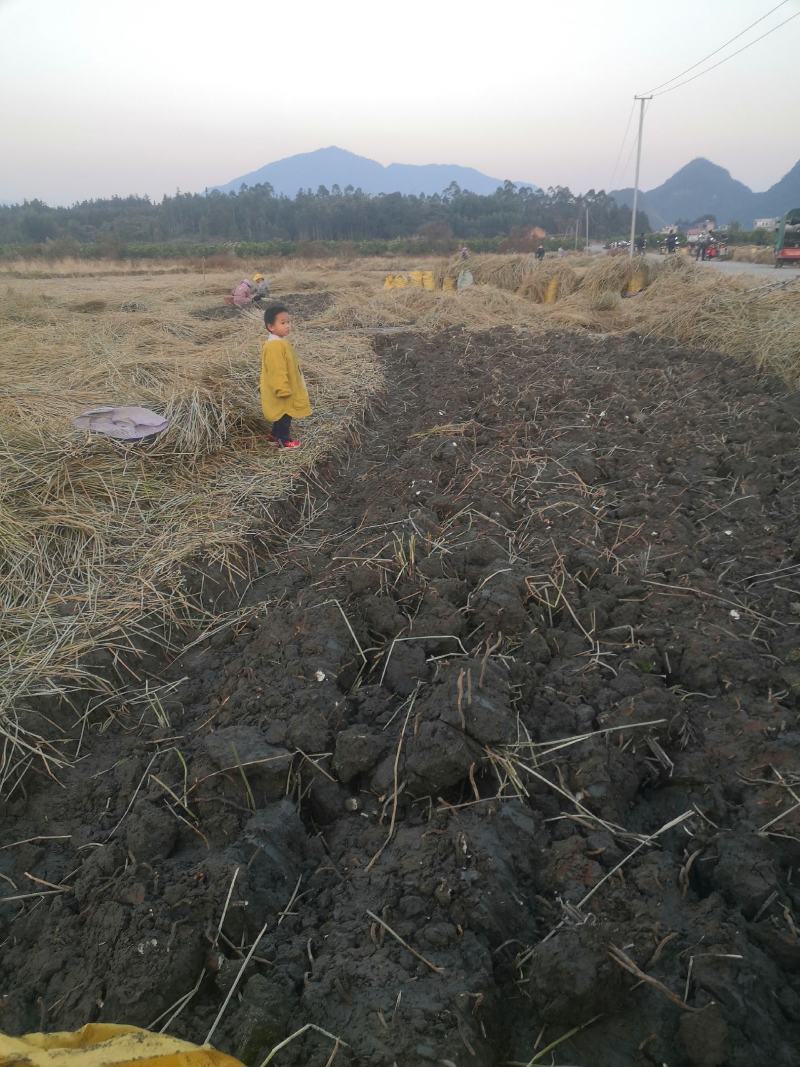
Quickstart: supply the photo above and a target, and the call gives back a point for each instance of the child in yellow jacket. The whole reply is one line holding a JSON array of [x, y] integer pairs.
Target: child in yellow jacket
[[283, 388]]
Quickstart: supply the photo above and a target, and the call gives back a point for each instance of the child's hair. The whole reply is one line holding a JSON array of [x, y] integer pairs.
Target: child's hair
[[272, 313]]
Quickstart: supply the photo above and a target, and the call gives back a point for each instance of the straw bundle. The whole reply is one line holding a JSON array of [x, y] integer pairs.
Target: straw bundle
[[548, 281], [615, 274], [503, 272], [753, 254], [480, 308], [708, 311]]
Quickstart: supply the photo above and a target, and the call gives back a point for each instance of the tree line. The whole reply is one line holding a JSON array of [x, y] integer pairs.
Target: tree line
[[257, 214]]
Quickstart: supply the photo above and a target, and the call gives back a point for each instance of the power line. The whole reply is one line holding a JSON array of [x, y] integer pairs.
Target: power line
[[731, 56], [717, 50], [643, 101], [633, 143], [622, 145]]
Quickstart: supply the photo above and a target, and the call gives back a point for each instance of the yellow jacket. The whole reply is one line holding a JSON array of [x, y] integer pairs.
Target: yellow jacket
[[283, 387]]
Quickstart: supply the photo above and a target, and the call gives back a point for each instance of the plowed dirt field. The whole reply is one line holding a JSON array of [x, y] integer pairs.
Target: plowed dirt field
[[507, 758]]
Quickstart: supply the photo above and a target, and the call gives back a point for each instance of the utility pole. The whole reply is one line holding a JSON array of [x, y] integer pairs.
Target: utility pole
[[587, 229], [641, 100]]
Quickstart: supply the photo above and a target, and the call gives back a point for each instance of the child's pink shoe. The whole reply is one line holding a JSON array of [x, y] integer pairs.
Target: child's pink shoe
[[289, 444]]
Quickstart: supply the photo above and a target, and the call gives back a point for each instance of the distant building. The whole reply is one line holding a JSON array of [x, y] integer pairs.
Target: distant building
[[765, 224]]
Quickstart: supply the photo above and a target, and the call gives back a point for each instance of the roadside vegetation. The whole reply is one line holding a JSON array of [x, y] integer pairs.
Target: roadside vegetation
[[255, 221]]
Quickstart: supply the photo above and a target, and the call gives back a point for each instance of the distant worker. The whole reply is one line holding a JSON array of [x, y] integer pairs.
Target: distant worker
[[463, 252], [672, 243], [540, 253], [261, 287], [641, 244], [560, 251], [243, 293]]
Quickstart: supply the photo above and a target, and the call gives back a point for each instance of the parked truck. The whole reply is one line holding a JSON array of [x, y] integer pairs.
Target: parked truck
[[787, 239]]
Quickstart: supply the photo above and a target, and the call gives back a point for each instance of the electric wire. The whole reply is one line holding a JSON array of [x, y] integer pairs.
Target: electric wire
[[738, 52], [633, 144], [716, 50], [622, 145]]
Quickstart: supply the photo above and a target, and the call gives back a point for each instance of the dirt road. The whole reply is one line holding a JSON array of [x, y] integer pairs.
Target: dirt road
[[728, 266], [508, 754]]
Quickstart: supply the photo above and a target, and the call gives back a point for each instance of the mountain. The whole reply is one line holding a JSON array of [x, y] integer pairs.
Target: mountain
[[702, 188], [782, 196], [335, 166]]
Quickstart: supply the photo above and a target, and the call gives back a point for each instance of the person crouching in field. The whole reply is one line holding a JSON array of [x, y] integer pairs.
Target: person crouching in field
[[247, 292], [243, 293], [261, 288], [283, 388]]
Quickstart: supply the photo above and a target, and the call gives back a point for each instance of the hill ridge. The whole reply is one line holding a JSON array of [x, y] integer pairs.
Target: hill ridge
[[332, 165], [702, 187]]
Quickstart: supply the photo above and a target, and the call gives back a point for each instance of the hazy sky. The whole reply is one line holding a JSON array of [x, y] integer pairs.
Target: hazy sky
[[146, 96]]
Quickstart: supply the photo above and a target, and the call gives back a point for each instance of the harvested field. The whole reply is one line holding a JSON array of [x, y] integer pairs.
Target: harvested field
[[304, 306], [109, 550], [497, 762]]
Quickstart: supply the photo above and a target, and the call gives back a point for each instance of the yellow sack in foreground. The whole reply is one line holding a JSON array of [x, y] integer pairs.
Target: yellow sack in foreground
[[104, 1045]]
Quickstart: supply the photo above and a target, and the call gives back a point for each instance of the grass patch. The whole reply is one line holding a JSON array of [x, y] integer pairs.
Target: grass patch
[[103, 543]]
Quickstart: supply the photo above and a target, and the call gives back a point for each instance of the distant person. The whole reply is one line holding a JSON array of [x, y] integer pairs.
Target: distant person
[[672, 242], [243, 293], [261, 288], [641, 244], [540, 253], [284, 395], [560, 252], [463, 252]]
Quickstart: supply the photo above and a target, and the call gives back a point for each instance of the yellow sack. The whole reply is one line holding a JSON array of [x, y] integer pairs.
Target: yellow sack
[[449, 284], [637, 282], [388, 281], [415, 277], [400, 281], [107, 1044], [428, 280], [551, 292]]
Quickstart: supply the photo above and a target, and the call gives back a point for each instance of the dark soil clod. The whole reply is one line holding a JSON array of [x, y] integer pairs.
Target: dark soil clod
[[493, 667]]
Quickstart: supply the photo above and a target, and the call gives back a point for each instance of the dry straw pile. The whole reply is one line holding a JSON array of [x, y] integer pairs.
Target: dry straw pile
[[503, 272], [102, 542], [548, 282], [744, 316], [480, 307], [673, 298]]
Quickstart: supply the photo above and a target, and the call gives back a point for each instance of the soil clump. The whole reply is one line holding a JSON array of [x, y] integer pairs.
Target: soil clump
[[508, 750]]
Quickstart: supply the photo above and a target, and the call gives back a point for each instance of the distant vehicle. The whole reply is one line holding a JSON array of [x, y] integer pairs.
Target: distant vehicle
[[715, 249], [787, 239]]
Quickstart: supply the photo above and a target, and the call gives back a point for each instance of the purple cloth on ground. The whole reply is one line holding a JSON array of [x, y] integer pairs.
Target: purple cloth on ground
[[123, 423]]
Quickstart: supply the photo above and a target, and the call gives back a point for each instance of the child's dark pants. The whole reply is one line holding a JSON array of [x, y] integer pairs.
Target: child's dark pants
[[282, 428]]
